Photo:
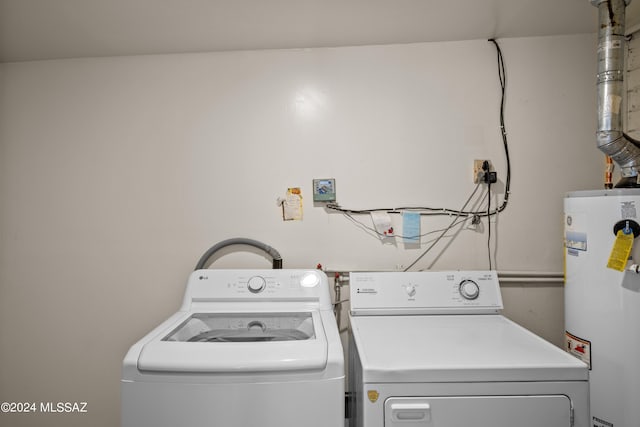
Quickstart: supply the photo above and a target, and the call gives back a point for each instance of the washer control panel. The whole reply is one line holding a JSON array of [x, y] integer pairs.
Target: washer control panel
[[222, 286], [428, 292]]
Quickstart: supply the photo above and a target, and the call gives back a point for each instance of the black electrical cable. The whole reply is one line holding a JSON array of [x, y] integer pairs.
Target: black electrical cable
[[377, 234], [449, 227], [398, 210], [502, 76], [489, 221], [461, 212], [445, 211]]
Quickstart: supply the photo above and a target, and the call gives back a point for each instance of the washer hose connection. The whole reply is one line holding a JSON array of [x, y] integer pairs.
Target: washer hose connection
[[275, 255]]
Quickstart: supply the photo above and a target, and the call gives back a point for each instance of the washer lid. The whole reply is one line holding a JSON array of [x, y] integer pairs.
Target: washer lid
[[457, 348], [238, 342], [244, 327]]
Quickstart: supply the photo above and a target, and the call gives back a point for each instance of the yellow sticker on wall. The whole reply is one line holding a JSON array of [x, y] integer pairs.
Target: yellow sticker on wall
[[620, 251]]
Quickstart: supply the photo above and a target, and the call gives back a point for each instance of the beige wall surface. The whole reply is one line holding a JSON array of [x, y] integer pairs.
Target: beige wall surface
[[116, 174]]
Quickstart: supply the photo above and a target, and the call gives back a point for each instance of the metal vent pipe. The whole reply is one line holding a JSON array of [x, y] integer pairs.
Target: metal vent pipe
[[624, 150]]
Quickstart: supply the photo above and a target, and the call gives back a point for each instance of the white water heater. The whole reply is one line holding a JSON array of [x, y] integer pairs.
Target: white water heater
[[602, 304]]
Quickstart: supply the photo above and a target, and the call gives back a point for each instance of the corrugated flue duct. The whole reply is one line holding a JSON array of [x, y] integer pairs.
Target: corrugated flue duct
[[624, 150]]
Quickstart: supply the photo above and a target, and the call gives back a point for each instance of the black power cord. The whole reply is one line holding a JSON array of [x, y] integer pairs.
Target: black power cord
[[502, 76], [488, 178]]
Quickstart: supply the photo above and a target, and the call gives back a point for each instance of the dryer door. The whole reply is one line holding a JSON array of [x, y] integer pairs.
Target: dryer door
[[479, 411]]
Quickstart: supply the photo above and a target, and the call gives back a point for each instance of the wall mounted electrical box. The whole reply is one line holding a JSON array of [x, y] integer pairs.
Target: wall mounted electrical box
[[483, 172], [324, 190]]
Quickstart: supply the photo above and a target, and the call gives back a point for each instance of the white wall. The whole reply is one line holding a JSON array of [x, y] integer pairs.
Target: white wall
[[116, 174]]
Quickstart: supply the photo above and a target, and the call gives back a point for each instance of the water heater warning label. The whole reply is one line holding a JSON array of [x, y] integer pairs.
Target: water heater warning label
[[628, 210], [597, 422], [621, 250], [578, 347]]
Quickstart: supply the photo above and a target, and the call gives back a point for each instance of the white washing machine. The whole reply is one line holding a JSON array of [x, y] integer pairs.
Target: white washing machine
[[247, 348], [431, 349]]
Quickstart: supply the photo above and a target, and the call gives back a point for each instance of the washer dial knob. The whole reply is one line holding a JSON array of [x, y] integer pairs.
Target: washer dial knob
[[256, 284], [469, 289]]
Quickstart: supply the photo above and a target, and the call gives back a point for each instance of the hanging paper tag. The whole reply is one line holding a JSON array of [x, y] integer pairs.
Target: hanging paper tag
[[382, 223], [411, 227], [621, 250]]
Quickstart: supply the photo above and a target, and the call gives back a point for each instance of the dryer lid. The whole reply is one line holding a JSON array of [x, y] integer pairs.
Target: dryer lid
[[238, 343], [457, 348]]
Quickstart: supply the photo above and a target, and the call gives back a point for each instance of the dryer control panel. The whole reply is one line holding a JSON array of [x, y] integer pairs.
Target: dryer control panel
[[428, 292]]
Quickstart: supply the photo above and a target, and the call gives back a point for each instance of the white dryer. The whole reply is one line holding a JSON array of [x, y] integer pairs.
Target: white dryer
[[431, 349], [247, 348]]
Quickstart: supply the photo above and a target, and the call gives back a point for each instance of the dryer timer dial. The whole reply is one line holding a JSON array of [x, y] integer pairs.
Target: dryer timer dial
[[410, 290], [469, 289]]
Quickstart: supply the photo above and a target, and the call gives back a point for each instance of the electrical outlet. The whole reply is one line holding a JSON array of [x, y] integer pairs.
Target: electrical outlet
[[483, 172], [477, 170]]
